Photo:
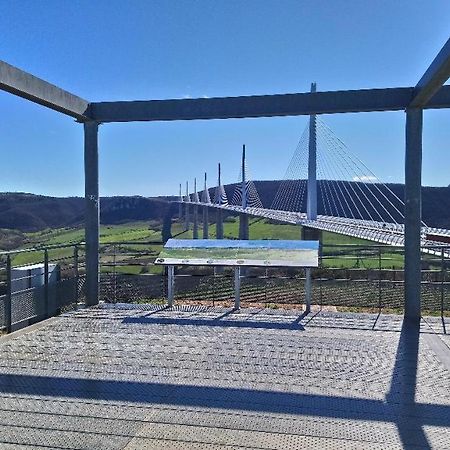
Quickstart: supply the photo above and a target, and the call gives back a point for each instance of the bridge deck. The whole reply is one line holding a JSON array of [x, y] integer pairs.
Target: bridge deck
[[207, 378]]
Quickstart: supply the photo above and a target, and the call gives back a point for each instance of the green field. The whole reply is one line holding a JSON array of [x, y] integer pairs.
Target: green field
[[133, 256]]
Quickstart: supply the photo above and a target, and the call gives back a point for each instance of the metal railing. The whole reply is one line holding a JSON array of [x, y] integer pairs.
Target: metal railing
[[355, 277], [350, 277], [39, 282]]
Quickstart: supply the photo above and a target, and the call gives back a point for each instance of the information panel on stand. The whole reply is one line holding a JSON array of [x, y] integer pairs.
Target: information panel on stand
[[228, 252]]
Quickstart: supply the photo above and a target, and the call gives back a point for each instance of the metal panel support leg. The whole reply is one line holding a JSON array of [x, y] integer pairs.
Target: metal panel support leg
[[92, 214], [237, 288], [308, 290], [413, 213], [170, 285]]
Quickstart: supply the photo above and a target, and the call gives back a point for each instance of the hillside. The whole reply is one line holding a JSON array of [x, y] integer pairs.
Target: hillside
[[28, 212]]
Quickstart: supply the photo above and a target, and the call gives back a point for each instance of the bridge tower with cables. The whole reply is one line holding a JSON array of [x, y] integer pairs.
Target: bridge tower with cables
[[187, 200], [180, 205], [207, 201], [220, 199], [243, 218], [195, 211], [311, 199]]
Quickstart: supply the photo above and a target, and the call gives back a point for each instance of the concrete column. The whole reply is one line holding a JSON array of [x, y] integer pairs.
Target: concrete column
[[195, 219], [219, 223], [186, 208], [243, 227], [413, 213], [311, 205], [180, 206], [243, 218], [92, 212], [205, 223]]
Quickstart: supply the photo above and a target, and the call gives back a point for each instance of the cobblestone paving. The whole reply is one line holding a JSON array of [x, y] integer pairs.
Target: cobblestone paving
[[123, 377]]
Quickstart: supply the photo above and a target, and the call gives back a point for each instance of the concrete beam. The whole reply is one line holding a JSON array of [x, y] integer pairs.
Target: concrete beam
[[432, 80], [32, 88], [364, 100]]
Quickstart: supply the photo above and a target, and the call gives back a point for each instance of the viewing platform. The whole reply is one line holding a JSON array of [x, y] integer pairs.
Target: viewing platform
[[130, 376]]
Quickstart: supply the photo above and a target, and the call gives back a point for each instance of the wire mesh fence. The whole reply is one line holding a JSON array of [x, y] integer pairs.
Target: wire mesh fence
[[39, 283], [355, 277]]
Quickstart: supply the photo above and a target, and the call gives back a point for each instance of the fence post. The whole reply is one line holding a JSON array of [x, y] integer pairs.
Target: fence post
[[8, 312], [170, 285], [76, 272], [237, 288], [442, 282], [46, 296], [114, 273], [379, 278]]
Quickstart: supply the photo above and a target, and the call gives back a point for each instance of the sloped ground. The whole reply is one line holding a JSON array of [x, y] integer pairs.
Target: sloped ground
[[136, 377]]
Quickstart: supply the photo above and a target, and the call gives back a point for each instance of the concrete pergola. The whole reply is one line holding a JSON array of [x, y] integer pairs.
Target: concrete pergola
[[429, 93]]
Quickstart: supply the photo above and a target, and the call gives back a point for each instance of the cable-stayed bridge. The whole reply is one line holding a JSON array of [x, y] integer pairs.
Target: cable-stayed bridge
[[326, 187]]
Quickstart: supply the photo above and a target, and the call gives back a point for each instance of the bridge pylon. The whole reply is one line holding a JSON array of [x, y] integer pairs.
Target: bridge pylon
[[206, 200], [180, 206], [220, 195], [195, 211], [187, 200], [243, 218]]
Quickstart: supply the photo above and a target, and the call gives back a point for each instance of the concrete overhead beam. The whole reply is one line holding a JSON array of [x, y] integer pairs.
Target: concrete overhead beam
[[365, 100], [28, 86], [432, 80]]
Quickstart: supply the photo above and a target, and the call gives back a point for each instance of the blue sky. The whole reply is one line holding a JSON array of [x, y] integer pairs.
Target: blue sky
[[116, 50]]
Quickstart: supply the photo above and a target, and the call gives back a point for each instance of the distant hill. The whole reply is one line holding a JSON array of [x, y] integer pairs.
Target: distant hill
[[28, 212]]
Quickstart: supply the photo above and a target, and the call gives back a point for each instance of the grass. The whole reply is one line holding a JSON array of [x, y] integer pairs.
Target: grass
[[135, 232]]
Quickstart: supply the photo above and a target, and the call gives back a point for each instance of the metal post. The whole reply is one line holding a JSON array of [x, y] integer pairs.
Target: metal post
[[311, 206], [46, 296], [237, 288], [8, 308], [115, 273], [170, 285], [92, 214], [442, 281], [379, 278], [308, 290], [413, 213], [76, 272]]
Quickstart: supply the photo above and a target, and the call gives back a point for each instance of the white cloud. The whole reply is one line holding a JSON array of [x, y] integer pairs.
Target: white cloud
[[365, 178]]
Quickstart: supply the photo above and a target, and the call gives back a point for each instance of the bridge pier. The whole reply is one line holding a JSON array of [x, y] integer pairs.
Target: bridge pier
[[219, 224], [186, 208], [413, 213], [195, 222], [243, 227], [180, 205], [205, 223]]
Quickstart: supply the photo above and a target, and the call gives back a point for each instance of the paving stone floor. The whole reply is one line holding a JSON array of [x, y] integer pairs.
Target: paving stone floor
[[123, 377]]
